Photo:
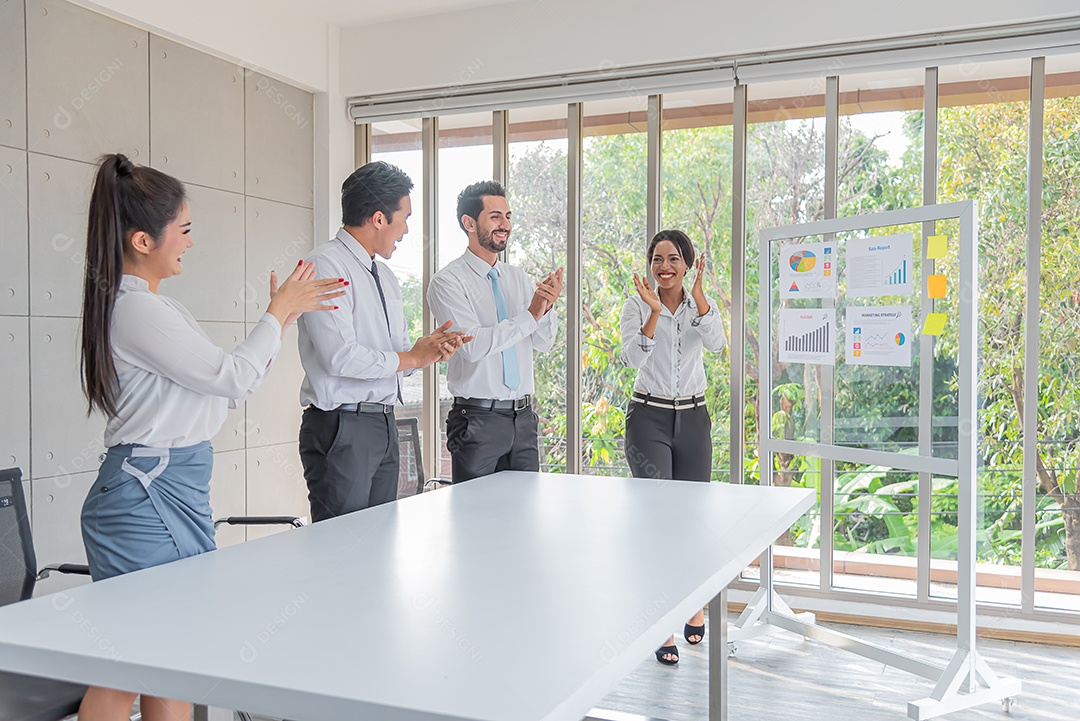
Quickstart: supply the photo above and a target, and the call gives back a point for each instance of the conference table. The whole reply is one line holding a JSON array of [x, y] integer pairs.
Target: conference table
[[513, 597]]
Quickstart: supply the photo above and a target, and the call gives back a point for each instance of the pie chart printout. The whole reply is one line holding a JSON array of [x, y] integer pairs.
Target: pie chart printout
[[803, 261]]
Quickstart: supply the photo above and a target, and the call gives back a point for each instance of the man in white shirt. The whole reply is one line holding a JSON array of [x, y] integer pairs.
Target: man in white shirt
[[492, 426], [353, 362]]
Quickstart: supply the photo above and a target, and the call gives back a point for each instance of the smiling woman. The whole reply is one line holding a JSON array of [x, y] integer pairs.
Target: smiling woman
[[163, 385]]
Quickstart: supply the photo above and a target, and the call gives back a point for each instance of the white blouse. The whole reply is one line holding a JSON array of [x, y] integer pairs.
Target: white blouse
[[670, 363], [175, 384]]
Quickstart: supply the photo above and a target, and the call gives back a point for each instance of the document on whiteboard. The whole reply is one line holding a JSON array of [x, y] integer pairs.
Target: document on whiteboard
[[879, 336], [879, 266], [808, 271], [807, 335]]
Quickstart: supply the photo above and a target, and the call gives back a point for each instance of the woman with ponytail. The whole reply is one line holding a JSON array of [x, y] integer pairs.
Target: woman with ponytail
[[163, 386]]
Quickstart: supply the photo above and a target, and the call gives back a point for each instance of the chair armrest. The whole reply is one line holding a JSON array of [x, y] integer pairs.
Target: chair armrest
[[260, 521], [77, 569], [433, 484]]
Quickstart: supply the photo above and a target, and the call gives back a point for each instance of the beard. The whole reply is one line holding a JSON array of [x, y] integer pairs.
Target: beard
[[487, 241]]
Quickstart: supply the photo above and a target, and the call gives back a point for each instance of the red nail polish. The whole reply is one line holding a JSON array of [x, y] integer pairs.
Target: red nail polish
[[299, 263], [335, 307], [341, 279], [346, 282]]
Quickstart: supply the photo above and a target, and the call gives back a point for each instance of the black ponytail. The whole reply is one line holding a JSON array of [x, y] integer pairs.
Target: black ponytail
[[126, 198]]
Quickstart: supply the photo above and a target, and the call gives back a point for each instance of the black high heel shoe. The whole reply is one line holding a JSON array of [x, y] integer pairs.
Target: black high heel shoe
[[688, 631], [671, 650]]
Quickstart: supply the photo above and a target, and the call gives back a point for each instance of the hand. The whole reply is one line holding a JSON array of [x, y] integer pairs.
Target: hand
[[547, 292], [697, 292], [302, 292], [647, 294], [434, 347]]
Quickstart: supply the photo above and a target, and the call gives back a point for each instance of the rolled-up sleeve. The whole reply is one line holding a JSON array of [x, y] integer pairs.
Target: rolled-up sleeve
[[636, 346], [151, 335]]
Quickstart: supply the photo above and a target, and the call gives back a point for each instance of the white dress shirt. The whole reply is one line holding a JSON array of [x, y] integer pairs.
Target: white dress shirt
[[462, 292], [670, 363], [349, 355], [175, 384]]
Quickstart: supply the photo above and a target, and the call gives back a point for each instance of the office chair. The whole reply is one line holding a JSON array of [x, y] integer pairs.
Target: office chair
[[411, 473], [27, 698]]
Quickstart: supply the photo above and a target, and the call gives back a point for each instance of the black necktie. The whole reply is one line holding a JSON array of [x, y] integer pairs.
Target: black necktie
[[386, 314]]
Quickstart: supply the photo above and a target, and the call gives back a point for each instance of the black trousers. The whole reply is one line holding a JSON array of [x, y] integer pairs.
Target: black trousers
[[669, 443], [350, 460], [482, 442]]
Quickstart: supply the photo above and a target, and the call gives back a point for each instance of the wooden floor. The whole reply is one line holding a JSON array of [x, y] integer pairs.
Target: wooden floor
[[784, 677]]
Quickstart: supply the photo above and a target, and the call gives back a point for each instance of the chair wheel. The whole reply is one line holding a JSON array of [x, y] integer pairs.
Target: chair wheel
[[732, 649], [1007, 703]]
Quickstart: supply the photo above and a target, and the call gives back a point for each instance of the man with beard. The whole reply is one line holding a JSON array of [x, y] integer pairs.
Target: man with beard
[[492, 426]]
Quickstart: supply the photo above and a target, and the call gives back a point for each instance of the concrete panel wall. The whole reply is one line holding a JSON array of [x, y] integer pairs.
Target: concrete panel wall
[[85, 85]]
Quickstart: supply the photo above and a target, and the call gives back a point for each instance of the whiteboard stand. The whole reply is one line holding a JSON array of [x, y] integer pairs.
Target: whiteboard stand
[[967, 679]]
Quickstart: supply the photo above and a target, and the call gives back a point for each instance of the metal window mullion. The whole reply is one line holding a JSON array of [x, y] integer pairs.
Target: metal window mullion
[[654, 182], [737, 341], [828, 372], [573, 286], [500, 154], [361, 144], [430, 421], [926, 342], [500, 146], [1032, 329]]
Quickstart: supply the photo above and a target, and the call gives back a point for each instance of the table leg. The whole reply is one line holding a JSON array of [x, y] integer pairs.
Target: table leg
[[718, 657]]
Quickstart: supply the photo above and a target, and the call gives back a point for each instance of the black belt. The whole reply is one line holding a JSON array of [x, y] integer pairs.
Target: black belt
[[678, 404], [366, 408], [516, 404]]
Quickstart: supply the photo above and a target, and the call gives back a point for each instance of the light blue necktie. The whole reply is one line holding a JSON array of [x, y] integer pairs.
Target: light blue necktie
[[511, 372]]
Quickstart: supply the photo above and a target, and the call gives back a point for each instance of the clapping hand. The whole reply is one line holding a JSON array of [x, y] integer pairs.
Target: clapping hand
[[647, 294], [697, 292], [302, 292]]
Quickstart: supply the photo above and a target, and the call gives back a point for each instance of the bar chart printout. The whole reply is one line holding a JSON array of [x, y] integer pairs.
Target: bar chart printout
[[879, 266], [808, 335]]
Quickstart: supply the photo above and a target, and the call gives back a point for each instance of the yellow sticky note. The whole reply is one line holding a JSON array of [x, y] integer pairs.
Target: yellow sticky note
[[934, 324], [935, 286], [936, 246]]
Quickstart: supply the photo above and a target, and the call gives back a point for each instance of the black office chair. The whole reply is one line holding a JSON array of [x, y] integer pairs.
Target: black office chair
[[27, 698], [411, 473]]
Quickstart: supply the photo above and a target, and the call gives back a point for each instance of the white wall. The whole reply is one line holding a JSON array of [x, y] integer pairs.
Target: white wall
[[526, 39], [287, 45]]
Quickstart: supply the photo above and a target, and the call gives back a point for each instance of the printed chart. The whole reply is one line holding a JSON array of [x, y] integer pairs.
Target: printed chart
[[808, 270], [879, 266], [807, 335], [879, 336]]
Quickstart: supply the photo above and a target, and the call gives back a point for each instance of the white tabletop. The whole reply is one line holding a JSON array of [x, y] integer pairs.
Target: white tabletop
[[517, 596]]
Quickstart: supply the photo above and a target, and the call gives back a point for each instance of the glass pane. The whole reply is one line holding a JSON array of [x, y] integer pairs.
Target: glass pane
[[983, 138], [465, 157], [537, 196], [1057, 514], [399, 143], [613, 244], [696, 199], [785, 185]]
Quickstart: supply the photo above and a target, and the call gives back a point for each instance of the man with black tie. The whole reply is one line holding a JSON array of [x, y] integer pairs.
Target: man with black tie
[[492, 426], [353, 363]]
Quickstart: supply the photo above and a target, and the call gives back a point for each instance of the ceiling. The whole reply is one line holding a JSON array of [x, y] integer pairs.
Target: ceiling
[[354, 13]]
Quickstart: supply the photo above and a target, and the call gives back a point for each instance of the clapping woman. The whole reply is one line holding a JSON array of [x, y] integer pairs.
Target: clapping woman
[[664, 331], [163, 385]]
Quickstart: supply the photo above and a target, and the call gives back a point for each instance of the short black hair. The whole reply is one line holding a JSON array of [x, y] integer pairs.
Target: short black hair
[[681, 241], [470, 201], [372, 188]]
